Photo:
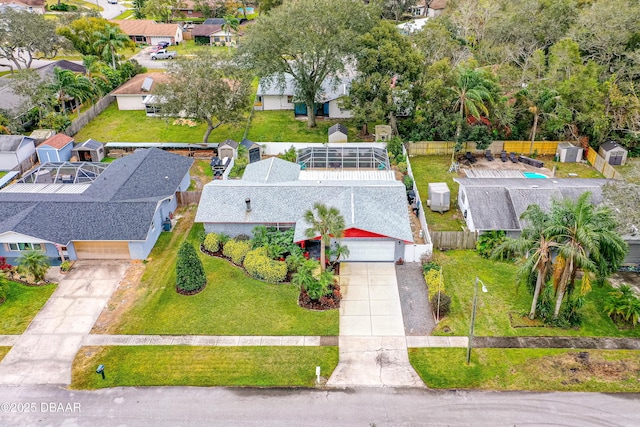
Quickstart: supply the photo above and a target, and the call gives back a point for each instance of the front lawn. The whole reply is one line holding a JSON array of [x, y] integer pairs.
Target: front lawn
[[505, 299], [428, 169], [3, 352], [202, 366], [113, 125], [21, 306], [604, 371], [282, 126], [231, 304], [189, 47]]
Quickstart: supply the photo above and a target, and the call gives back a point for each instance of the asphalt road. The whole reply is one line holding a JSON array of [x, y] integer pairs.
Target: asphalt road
[[190, 406]]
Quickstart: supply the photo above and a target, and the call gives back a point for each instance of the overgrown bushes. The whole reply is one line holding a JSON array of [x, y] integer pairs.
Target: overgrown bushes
[[488, 241], [260, 266], [212, 242], [190, 275], [623, 306], [237, 250]]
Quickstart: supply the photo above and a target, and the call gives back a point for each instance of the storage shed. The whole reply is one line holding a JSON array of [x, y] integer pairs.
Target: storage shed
[[439, 196], [89, 151], [254, 150], [228, 148], [55, 149], [569, 153], [17, 152], [613, 153], [338, 133]]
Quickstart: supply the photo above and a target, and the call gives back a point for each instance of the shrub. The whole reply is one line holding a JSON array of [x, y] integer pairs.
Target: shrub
[[408, 182], [65, 266], [623, 306], [212, 242], [427, 266], [434, 283], [3, 264], [444, 306], [402, 167], [237, 250], [190, 275], [4, 289], [488, 241], [260, 266]]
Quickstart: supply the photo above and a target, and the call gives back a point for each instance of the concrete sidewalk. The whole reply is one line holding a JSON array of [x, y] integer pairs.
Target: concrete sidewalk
[[373, 348], [211, 340], [43, 354]]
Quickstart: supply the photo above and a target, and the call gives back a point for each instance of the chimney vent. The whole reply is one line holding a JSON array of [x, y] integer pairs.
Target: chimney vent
[[248, 202]]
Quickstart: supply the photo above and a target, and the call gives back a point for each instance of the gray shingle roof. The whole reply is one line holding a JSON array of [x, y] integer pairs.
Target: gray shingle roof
[[119, 205], [10, 143], [338, 127], [611, 145], [376, 206], [88, 145], [498, 203], [248, 144], [230, 142]]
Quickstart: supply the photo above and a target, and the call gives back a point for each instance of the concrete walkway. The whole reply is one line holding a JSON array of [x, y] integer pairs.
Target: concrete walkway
[[43, 354], [373, 348], [211, 340]]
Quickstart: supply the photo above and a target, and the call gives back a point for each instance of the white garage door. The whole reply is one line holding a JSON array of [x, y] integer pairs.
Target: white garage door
[[370, 250], [156, 40]]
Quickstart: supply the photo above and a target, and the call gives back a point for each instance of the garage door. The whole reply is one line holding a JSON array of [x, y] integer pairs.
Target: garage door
[[633, 256], [156, 40], [102, 250], [370, 250]]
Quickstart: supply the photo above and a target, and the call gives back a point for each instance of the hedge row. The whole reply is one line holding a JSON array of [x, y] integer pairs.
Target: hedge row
[[260, 266]]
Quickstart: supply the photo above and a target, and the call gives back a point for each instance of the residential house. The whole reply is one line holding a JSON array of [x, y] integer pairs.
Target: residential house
[[55, 149], [497, 203], [204, 34], [131, 94], [92, 210], [150, 32], [276, 193], [275, 94], [35, 6], [17, 152], [435, 8]]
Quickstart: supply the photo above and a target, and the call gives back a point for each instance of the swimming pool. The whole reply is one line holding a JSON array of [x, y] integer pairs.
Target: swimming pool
[[533, 175]]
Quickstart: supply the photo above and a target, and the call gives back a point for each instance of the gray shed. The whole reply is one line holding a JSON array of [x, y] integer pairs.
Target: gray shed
[[613, 153], [228, 148], [253, 149], [88, 151], [569, 153], [338, 133]]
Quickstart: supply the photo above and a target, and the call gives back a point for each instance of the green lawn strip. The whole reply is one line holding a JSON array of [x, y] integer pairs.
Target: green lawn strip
[[282, 126], [21, 306], [113, 125], [202, 366], [581, 170], [79, 3], [428, 169], [124, 15], [231, 304], [505, 298], [529, 369], [4, 351], [189, 47], [3, 173]]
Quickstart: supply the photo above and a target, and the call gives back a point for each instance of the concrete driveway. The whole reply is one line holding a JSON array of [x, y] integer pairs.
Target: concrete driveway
[[43, 354]]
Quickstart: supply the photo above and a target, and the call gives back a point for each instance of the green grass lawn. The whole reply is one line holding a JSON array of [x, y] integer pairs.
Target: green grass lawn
[[231, 304], [282, 126], [504, 298], [189, 47], [79, 3], [428, 169], [113, 125], [21, 306], [3, 174], [202, 366], [124, 15], [529, 369], [4, 351], [630, 170]]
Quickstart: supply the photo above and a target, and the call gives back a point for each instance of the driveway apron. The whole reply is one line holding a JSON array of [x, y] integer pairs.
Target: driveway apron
[[43, 354], [373, 346]]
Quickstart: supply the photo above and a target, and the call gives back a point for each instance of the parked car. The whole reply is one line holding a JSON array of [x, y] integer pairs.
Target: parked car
[[163, 45], [112, 1], [164, 54]]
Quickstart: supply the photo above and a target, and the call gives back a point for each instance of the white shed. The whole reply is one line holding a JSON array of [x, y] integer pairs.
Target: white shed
[[338, 133], [613, 153], [569, 153]]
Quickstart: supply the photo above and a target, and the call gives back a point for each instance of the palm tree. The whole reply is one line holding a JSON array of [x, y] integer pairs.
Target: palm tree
[[109, 41], [536, 246], [34, 263], [67, 83], [473, 94], [538, 103], [231, 23], [586, 240], [326, 222]]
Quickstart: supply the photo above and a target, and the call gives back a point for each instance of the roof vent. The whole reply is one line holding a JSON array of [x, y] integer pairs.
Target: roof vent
[[248, 202], [534, 186]]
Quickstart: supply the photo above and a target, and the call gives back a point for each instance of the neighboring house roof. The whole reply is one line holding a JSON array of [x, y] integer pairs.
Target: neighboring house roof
[[47, 70], [58, 141], [287, 86], [19, 4], [338, 127], [146, 27], [205, 30], [11, 143], [610, 145], [119, 205], [277, 195], [229, 143], [214, 21], [134, 86], [498, 203], [438, 4]]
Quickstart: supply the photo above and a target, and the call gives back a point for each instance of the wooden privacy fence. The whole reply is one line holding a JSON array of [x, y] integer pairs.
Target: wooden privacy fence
[[89, 115], [425, 148], [454, 239], [601, 165], [186, 198]]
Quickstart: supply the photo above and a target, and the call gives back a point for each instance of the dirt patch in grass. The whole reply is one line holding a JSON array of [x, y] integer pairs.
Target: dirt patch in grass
[[518, 320], [584, 366]]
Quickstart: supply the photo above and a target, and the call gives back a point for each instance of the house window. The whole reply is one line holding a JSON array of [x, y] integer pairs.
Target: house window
[[17, 247], [290, 99], [189, 12]]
